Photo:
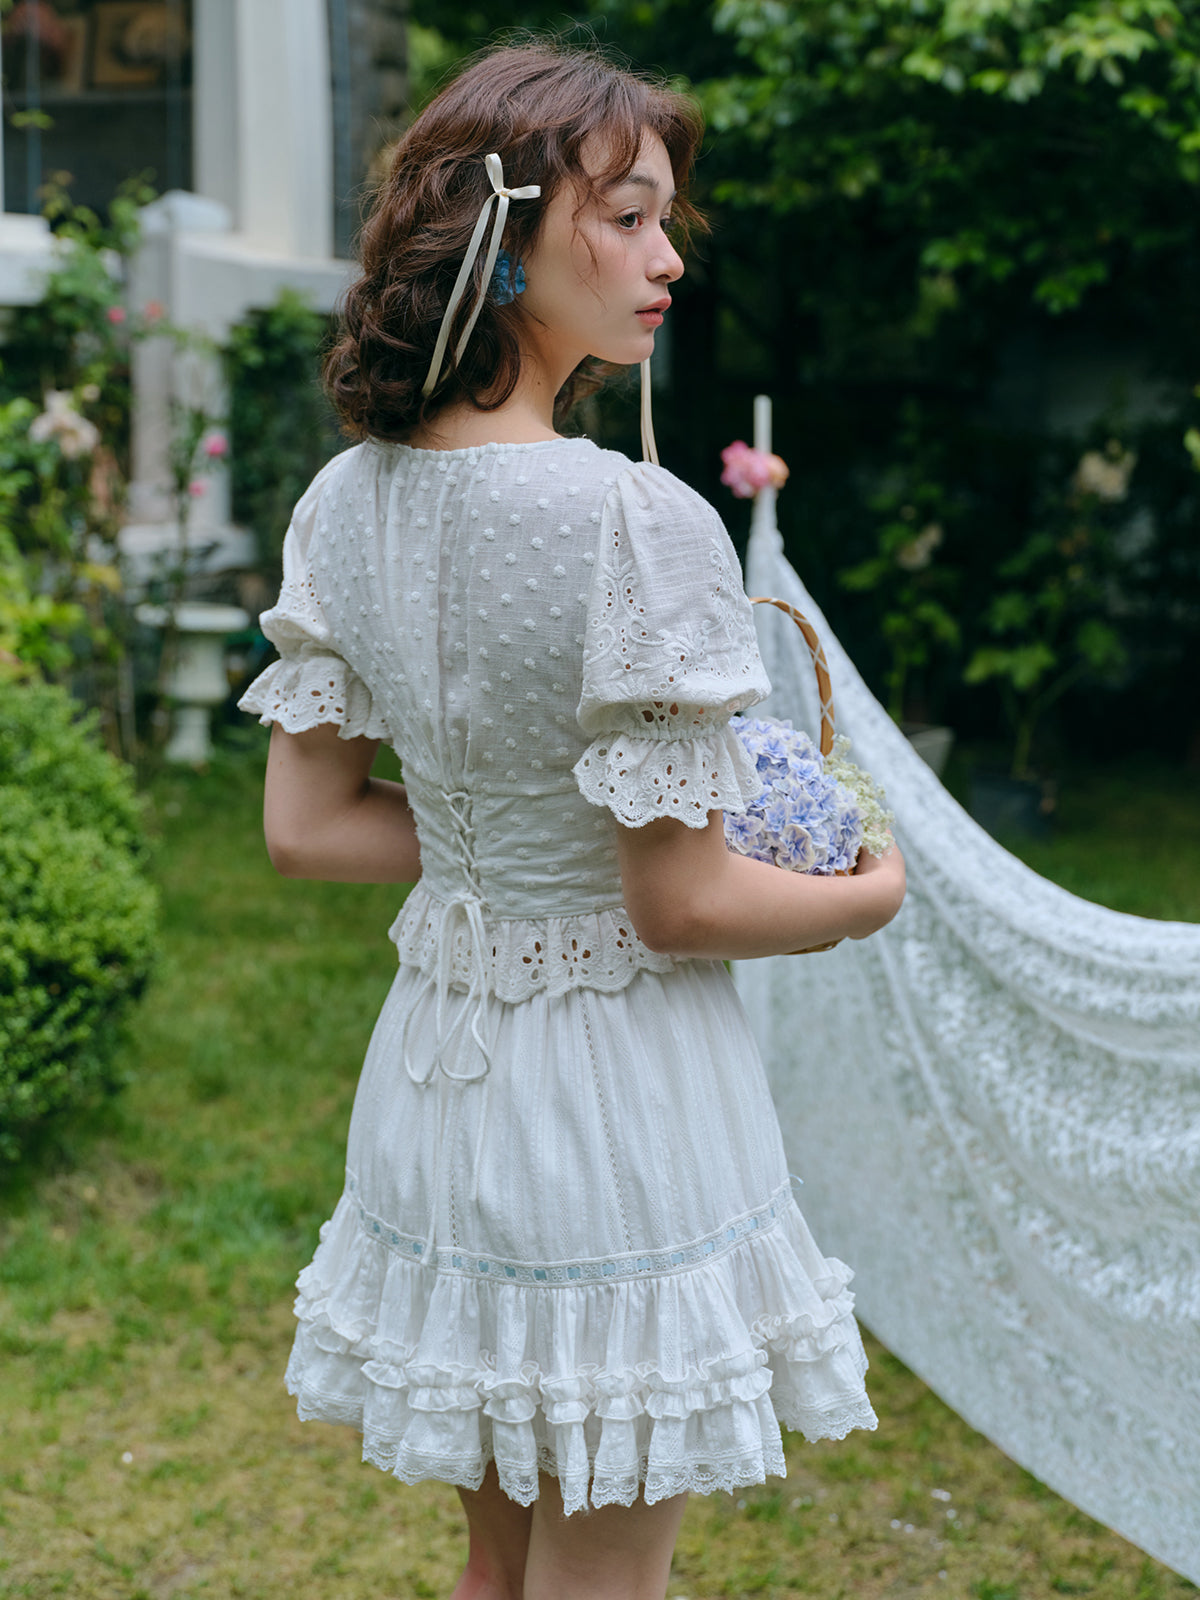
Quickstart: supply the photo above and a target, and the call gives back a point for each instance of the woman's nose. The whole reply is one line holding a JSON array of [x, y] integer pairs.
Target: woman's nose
[[667, 262]]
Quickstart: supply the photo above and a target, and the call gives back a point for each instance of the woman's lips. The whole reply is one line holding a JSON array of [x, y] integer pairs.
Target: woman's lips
[[651, 319]]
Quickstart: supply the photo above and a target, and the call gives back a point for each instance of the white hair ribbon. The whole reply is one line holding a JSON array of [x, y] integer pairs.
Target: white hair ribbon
[[649, 448], [502, 196]]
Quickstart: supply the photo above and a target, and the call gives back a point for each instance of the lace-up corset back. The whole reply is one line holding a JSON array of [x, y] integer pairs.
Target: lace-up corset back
[[478, 665]]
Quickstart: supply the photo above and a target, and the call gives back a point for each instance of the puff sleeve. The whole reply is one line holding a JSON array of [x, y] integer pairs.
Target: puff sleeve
[[670, 655], [311, 683]]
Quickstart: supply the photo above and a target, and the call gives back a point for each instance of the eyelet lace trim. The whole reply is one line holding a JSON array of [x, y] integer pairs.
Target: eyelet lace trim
[[642, 777], [628, 651], [526, 955], [306, 691]]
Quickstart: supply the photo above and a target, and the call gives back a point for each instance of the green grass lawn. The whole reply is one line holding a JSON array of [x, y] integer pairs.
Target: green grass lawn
[[146, 1265], [1127, 836]]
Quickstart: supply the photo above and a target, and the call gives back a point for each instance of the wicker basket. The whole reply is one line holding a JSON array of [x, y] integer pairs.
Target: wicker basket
[[825, 690]]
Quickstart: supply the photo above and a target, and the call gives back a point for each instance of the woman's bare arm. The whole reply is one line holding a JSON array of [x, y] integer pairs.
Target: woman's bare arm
[[324, 816], [688, 895]]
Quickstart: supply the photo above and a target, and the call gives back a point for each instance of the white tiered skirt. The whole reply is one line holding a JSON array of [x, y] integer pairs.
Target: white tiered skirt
[[588, 1262]]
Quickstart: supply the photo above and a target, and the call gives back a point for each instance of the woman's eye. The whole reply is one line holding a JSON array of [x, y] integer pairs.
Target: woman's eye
[[629, 220]]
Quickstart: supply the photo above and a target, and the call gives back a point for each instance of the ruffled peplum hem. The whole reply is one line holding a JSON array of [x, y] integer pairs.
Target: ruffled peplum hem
[[657, 1384]]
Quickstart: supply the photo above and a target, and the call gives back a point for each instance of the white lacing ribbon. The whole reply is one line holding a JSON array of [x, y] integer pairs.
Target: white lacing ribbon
[[502, 196], [465, 905]]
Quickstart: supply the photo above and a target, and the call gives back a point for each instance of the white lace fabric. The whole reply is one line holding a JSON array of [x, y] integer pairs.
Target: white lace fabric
[[998, 1097]]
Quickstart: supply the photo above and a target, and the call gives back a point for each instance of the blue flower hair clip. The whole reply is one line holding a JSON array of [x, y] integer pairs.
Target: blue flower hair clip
[[507, 281]]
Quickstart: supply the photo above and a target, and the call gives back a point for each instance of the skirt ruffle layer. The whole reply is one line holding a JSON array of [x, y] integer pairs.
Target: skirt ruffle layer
[[655, 1385]]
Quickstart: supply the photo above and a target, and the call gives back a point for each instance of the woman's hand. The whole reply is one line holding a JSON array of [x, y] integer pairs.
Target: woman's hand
[[324, 816], [889, 876]]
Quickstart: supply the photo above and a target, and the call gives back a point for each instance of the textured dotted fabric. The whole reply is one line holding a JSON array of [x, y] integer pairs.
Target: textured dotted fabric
[[568, 1241]]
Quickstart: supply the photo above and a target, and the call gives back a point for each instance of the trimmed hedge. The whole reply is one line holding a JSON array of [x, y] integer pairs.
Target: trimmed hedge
[[78, 918]]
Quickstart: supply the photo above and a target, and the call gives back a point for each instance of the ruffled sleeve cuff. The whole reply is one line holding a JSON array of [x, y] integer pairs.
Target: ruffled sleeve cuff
[[641, 779], [305, 691]]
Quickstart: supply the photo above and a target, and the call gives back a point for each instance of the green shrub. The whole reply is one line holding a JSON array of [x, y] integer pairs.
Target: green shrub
[[78, 919], [52, 753]]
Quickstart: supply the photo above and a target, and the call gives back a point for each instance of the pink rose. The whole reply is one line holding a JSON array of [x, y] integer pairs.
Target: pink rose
[[197, 487], [116, 315], [153, 310], [215, 445], [748, 470]]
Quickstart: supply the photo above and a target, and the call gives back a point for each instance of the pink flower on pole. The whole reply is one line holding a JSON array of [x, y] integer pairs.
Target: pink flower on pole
[[153, 310], [748, 470], [215, 445], [197, 487], [116, 315]]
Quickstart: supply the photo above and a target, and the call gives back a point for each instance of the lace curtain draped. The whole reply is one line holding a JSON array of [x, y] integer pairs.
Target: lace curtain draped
[[995, 1106]]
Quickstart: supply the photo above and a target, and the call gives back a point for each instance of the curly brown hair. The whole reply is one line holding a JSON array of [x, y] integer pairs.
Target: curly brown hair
[[536, 104]]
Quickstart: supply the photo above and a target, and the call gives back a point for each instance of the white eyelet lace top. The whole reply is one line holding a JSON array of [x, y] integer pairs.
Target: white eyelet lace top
[[554, 639]]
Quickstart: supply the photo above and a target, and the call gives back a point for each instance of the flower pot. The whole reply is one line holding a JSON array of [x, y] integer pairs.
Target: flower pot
[[1008, 806]]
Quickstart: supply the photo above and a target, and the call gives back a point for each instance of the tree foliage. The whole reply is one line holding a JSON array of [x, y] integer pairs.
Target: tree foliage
[[281, 426], [956, 240]]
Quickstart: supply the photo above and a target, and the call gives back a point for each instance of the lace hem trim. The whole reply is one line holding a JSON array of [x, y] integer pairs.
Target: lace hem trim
[[721, 1474], [525, 956], [583, 1480], [641, 778], [724, 1473], [303, 692]]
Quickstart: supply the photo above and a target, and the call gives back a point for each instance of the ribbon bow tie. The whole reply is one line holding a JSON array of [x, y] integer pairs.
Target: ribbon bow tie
[[501, 195]]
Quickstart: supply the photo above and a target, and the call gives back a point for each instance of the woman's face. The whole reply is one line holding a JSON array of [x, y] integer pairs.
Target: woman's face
[[597, 284]]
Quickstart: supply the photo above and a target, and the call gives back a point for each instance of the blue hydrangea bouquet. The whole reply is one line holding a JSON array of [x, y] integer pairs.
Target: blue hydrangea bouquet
[[815, 809], [813, 813]]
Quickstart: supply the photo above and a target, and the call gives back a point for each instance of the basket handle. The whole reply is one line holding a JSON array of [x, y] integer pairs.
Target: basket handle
[[824, 687]]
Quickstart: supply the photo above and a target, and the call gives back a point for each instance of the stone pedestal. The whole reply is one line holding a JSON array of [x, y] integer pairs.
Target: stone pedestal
[[198, 679]]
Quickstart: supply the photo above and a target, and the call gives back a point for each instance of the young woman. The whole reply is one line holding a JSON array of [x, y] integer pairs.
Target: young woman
[[567, 1273]]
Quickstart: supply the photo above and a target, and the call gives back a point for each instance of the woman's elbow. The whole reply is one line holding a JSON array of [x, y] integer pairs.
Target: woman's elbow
[[671, 926], [285, 850]]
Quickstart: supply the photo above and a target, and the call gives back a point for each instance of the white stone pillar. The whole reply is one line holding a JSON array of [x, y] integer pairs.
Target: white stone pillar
[[167, 378], [214, 101], [264, 120], [163, 376]]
